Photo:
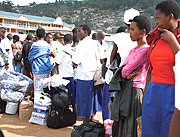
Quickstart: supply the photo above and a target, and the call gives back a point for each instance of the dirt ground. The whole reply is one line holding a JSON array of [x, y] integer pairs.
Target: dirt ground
[[12, 126]]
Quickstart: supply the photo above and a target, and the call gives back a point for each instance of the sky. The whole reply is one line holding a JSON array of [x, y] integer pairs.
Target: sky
[[26, 2]]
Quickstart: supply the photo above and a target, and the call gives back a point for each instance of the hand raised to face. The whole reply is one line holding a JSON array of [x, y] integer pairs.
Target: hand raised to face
[[166, 35]]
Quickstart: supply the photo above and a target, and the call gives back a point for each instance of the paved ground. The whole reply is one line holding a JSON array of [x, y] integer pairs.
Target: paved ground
[[12, 126]]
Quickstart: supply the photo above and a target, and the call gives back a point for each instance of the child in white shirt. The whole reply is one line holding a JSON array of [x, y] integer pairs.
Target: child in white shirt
[[64, 61]]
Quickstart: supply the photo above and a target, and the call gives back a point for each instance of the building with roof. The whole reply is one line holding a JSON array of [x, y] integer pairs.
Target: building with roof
[[25, 24]]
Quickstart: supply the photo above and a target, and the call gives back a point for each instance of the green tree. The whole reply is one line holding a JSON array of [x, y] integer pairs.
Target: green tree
[[106, 24]]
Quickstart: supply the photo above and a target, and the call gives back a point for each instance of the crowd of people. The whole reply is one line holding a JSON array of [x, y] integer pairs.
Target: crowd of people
[[144, 83]]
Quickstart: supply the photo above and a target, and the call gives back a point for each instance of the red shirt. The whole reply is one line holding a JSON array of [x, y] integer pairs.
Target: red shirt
[[162, 60]]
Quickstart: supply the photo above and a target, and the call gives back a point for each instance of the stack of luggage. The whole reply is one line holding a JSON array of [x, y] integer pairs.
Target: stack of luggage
[[60, 114]]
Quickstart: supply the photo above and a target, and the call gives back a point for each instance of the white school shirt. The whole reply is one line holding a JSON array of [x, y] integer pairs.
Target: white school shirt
[[85, 58], [7, 45], [177, 80], [64, 59], [58, 46], [109, 73], [124, 44], [104, 49], [99, 48], [53, 49]]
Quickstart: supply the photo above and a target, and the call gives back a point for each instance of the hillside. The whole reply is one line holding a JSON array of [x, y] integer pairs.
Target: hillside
[[97, 13]]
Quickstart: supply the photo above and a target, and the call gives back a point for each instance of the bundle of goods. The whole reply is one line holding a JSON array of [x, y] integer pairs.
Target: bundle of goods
[[89, 128], [52, 99], [25, 109], [14, 86]]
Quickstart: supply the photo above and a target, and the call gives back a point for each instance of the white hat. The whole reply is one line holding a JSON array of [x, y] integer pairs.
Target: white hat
[[130, 14]]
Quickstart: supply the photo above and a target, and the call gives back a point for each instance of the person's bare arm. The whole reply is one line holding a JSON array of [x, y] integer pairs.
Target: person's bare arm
[[148, 79], [74, 65], [114, 51], [7, 66], [174, 129], [169, 37], [132, 75], [13, 46]]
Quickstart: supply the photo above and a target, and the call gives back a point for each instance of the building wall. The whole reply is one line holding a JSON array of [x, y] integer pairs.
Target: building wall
[[19, 26]]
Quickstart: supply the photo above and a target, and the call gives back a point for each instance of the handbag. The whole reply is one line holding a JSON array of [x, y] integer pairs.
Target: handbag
[[61, 118], [98, 79], [18, 56], [114, 65]]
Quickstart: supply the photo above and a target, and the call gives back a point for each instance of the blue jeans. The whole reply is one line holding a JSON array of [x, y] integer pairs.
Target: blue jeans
[[17, 66]]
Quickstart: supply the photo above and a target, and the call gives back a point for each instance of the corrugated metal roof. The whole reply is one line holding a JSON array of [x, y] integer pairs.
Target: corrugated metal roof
[[43, 18], [10, 14], [31, 17], [70, 25]]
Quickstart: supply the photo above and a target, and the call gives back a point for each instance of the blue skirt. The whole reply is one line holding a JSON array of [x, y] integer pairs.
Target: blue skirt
[[71, 89], [106, 114], [84, 97], [158, 109], [98, 99]]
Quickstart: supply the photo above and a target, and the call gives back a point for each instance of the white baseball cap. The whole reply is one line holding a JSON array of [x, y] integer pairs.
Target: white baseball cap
[[130, 14]]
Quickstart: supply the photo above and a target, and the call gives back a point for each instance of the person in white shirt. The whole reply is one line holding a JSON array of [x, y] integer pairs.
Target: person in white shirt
[[3, 56], [75, 43], [122, 41], [175, 121], [64, 61], [58, 47], [85, 61], [7, 46], [49, 40], [103, 47], [106, 114], [56, 42]]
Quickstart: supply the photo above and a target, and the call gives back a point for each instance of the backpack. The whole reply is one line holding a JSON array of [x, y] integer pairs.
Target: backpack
[[60, 99], [18, 56]]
